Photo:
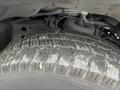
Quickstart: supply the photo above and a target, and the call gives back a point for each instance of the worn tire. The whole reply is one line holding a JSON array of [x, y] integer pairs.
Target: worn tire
[[79, 57]]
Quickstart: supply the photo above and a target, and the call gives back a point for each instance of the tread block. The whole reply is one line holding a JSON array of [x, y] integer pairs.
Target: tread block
[[108, 82]]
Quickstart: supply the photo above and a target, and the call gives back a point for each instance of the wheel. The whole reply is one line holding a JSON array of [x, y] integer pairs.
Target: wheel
[[60, 61]]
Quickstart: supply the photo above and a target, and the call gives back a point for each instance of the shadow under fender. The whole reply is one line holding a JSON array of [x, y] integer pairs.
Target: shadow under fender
[[5, 34]]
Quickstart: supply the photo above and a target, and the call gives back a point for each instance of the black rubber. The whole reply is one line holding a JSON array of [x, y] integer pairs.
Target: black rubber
[[5, 34], [71, 55]]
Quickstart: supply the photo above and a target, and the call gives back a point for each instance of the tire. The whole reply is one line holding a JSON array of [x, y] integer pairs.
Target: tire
[[77, 57], [5, 34]]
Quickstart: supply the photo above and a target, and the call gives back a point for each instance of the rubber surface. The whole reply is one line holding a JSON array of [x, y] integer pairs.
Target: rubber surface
[[68, 55], [5, 34]]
